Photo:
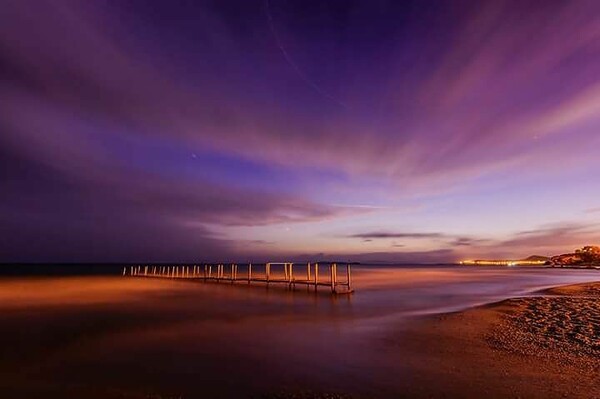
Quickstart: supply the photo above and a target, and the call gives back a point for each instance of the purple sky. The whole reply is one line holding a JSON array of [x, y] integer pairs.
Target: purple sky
[[249, 130]]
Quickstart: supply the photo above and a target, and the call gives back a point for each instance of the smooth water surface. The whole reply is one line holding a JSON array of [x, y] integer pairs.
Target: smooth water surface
[[126, 337]]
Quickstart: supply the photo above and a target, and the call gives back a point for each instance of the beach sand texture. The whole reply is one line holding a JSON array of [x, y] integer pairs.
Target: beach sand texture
[[528, 347]]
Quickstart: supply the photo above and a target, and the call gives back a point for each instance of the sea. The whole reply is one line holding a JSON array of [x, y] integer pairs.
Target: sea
[[88, 331]]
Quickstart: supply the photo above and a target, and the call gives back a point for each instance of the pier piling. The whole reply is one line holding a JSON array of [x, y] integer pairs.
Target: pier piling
[[193, 272]]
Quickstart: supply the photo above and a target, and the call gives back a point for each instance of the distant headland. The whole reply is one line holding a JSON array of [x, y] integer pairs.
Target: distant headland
[[586, 256]]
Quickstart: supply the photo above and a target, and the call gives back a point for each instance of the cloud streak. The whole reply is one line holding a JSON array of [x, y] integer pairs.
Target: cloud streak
[[385, 234], [101, 104]]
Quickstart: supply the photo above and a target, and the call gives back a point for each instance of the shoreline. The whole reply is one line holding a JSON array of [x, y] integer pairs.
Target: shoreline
[[545, 346]]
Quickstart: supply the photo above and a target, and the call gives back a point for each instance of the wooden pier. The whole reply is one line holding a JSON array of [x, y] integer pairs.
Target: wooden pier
[[287, 273]]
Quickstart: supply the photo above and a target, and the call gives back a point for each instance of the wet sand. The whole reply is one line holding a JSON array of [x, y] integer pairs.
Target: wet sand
[[111, 337]]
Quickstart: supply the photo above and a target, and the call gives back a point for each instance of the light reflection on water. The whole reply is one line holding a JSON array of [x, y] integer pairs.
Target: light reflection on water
[[140, 336]]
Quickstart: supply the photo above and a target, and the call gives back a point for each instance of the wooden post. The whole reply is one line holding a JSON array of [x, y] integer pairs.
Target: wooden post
[[210, 271], [335, 273], [267, 272], [308, 272], [232, 272], [249, 272], [316, 276], [331, 277], [348, 276], [291, 266]]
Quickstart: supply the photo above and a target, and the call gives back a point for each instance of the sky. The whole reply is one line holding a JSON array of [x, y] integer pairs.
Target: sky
[[394, 131]]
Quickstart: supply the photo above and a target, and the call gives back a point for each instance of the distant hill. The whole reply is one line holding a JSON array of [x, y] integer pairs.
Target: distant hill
[[588, 255]]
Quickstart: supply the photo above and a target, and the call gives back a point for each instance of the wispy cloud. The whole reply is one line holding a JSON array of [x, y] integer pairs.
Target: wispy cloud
[[562, 235], [499, 88], [387, 234], [449, 240]]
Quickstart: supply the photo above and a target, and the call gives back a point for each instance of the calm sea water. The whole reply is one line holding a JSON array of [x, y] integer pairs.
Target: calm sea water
[[110, 336]]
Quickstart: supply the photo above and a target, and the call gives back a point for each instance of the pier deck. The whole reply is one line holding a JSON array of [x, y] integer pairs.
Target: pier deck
[[264, 273]]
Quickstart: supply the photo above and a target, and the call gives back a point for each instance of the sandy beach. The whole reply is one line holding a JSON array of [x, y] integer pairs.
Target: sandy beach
[[112, 337], [545, 346]]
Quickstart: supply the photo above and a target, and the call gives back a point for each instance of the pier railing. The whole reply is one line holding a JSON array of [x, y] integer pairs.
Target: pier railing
[[311, 275]]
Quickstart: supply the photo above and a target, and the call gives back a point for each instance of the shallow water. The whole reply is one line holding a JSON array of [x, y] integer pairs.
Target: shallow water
[[122, 337]]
